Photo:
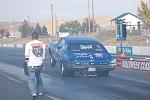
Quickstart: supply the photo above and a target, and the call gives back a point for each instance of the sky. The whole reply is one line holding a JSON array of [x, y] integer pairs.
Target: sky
[[64, 9]]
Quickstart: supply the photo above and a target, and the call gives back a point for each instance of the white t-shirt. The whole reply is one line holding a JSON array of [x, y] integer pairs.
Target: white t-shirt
[[35, 51]]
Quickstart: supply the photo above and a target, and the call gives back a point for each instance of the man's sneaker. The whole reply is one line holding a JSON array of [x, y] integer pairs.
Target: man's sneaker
[[34, 95], [40, 93]]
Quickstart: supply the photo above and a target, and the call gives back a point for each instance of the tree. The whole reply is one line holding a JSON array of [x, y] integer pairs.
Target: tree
[[73, 27], [7, 34], [25, 29], [144, 14], [44, 31], [31, 30], [63, 28], [2, 33], [38, 29], [85, 26]]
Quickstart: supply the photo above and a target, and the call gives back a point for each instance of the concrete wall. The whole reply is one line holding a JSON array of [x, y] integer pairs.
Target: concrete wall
[[111, 49], [13, 45], [135, 50]]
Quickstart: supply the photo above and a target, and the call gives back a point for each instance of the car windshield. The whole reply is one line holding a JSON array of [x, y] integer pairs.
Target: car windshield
[[86, 47]]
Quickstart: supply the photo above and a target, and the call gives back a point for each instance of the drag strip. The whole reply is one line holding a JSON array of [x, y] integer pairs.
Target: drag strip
[[122, 84]]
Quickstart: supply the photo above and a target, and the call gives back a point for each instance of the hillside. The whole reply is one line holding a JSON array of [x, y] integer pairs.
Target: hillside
[[108, 38], [103, 21]]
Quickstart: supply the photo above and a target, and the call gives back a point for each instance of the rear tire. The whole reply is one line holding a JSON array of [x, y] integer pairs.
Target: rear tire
[[53, 62], [65, 72]]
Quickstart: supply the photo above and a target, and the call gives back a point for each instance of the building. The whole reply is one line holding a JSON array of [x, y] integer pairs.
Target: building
[[132, 21]]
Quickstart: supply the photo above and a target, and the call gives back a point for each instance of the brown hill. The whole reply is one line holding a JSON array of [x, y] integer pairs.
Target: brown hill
[[103, 21]]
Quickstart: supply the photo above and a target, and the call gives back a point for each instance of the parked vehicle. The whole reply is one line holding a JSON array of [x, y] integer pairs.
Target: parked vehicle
[[81, 53]]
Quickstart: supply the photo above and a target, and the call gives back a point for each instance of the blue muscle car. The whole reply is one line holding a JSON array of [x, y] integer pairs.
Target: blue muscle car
[[81, 53]]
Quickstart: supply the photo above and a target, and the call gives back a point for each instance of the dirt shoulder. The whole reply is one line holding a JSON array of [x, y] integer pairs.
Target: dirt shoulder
[[106, 39]]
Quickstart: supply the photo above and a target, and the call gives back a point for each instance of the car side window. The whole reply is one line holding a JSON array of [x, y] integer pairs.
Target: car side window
[[62, 44]]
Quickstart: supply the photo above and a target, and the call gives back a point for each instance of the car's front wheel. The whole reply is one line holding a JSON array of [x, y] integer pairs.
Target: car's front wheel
[[65, 72]]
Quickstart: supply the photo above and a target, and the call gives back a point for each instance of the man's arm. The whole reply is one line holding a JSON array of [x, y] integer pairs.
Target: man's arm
[[27, 52], [44, 51], [43, 56]]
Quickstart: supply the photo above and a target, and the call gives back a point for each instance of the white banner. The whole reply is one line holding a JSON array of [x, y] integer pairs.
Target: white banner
[[136, 64]]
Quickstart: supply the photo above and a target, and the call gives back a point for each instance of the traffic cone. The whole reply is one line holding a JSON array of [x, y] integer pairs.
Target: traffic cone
[[123, 56]]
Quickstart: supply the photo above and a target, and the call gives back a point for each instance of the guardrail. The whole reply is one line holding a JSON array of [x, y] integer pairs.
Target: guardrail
[[135, 50], [13, 45]]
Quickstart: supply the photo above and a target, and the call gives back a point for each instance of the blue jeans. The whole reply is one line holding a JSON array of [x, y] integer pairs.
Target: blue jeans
[[34, 79]]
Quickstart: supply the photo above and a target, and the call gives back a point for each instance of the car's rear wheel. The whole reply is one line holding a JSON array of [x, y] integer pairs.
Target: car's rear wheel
[[65, 72], [53, 62], [102, 73]]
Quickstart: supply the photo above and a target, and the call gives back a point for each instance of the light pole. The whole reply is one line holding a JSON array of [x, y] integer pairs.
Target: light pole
[[56, 23], [89, 16], [93, 14], [14, 28], [52, 18], [28, 26]]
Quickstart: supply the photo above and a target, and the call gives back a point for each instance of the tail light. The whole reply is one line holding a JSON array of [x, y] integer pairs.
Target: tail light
[[113, 62]]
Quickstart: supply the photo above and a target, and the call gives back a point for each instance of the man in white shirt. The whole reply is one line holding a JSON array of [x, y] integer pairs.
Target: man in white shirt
[[34, 56]]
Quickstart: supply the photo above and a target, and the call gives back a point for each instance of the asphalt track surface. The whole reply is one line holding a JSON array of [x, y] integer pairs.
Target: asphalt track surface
[[11, 90], [121, 84]]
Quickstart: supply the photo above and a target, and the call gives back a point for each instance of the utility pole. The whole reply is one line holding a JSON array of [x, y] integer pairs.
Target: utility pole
[[93, 15], [28, 18], [149, 9], [56, 23], [14, 28], [28, 26], [52, 18], [89, 16]]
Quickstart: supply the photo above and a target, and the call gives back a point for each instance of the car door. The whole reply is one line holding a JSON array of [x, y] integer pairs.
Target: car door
[[61, 48]]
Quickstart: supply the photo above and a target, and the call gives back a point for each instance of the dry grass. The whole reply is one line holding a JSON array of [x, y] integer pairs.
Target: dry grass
[[106, 39], [110, 39], [103, 21], [25, 40]]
